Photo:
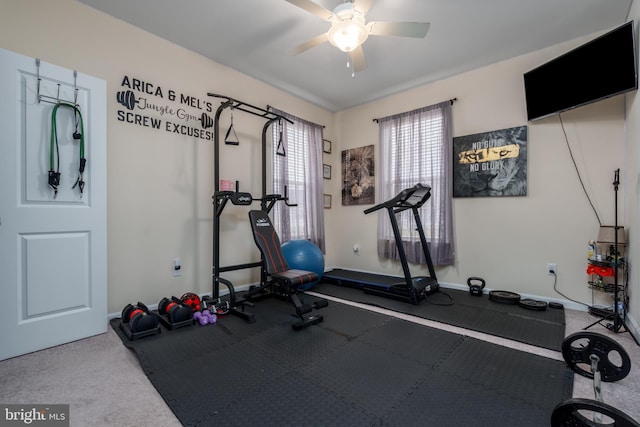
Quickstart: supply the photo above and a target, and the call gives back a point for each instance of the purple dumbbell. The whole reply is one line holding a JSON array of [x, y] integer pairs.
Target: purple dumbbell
[[212, 318], [201, 318]]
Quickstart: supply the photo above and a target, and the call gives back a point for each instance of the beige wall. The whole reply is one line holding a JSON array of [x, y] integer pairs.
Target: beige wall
[[506, 241], [160, 185]]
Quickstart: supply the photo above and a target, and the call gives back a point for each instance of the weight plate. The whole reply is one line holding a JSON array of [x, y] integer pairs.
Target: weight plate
[[532, 304], [580, 412], [126, 313], [162, 305], [614, 363], [556, 305], [192, 300], [504, 297]]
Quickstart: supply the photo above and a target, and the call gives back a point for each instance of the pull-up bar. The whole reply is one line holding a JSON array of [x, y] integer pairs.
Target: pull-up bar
[[247, 108], [219, 198], [235, 104]]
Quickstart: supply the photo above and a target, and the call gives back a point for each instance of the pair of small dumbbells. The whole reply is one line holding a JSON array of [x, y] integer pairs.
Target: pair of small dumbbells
[[205, 317]]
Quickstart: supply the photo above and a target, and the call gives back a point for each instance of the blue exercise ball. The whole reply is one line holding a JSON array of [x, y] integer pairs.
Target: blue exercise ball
[[304, 255]]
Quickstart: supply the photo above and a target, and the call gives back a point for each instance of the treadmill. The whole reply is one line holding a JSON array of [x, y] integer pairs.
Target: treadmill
[[407, 288]]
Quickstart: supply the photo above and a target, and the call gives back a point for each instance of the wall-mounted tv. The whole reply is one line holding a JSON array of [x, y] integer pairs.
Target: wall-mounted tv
[[601, 68]]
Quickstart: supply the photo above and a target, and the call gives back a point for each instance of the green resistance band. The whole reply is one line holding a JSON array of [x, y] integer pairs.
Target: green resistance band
[[54, 152]]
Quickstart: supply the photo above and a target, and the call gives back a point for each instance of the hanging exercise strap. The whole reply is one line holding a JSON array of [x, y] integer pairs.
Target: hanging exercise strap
[[231, 138], [54, 153], [280, 148]]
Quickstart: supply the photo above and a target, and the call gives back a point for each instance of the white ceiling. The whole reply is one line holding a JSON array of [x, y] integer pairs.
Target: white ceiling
[[256, 36]]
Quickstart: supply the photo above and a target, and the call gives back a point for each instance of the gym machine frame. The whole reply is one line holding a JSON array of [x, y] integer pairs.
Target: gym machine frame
[[221, 198]]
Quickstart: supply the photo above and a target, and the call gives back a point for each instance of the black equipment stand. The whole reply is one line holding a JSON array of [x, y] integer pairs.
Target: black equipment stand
[[617, 318], [236, 305], [411, 289]]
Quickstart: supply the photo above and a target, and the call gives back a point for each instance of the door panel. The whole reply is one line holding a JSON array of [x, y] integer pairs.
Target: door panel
[[53, 268]]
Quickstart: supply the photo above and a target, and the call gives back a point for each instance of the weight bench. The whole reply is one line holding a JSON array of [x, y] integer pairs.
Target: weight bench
[[283, 281]]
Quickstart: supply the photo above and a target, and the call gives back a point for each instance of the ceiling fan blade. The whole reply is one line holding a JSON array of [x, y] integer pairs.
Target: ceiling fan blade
[[402, 29], [309, 44], [362, 5], [314, 8], [356, 57]]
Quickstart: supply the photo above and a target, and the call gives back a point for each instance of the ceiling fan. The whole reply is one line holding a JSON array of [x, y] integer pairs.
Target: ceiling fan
[[349, 29]]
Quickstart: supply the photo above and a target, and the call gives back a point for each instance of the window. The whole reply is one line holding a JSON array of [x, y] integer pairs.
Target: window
[[297, 166], [415, 147]]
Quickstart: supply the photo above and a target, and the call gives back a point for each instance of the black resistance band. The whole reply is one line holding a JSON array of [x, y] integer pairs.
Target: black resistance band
[[54, 174]]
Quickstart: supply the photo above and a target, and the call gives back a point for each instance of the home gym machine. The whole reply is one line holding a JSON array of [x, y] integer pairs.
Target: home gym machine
[[237, 304], [411, 289]]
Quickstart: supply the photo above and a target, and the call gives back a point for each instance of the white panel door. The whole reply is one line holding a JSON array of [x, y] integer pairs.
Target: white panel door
[[53, 246]]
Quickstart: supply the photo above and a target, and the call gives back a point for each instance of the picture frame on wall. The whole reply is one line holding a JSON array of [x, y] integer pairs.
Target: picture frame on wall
[[327, 201], [326, 171], [491, 164], [358, 176], [326, 146]]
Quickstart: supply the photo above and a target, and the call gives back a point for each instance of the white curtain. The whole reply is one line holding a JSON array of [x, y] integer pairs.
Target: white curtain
[[300, 170], [417, 147]]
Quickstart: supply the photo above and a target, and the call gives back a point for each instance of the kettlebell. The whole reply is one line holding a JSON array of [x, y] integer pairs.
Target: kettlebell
[[476, 285]]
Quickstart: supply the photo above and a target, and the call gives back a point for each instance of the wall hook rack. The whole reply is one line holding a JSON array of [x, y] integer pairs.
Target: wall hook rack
[[56, 99]]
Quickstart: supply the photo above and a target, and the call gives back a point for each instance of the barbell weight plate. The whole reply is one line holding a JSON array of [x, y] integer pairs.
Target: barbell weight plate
[[127, 99], [532, 304], [614, 363], [206, 121], [504, 297], [126, 313], [579, 412], [163, 305], [192, 300]]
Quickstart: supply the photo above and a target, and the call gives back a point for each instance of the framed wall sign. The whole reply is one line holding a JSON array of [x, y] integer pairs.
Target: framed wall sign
[[326, 146], [358, 176], [327, 201], [326, 171], [491, 164]]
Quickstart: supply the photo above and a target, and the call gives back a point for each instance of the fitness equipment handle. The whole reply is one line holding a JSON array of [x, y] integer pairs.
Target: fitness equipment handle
[[411, 197]]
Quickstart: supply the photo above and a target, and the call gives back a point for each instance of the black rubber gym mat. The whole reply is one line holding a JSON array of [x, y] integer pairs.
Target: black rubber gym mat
[[540, 328], [357, 368]]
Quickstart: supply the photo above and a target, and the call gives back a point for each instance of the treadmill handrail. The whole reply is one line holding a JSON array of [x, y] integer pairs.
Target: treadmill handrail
[[408, 198]]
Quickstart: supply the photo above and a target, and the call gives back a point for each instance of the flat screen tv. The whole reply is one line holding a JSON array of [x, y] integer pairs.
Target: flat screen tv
[[601, 68]]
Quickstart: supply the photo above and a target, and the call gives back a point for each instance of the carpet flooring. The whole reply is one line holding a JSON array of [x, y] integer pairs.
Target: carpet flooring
[[357, 368]]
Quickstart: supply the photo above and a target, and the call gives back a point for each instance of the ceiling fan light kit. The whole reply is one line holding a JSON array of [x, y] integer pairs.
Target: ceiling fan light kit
[[348, 35], [349, 29]]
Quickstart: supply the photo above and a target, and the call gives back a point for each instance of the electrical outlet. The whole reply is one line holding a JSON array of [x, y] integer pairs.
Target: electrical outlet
[[177, 268], [552, 269]]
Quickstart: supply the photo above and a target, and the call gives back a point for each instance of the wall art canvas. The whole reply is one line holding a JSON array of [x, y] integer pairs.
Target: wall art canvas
[[358, 176], [491, 163]]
